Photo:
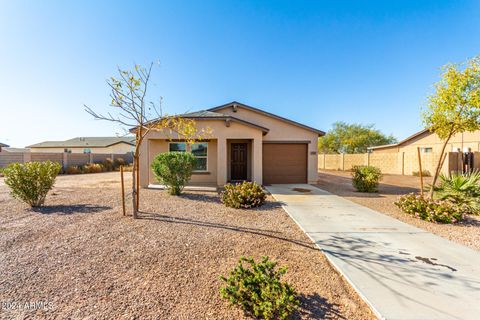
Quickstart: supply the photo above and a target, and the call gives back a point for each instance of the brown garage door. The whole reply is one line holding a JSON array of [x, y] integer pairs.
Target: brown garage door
[[284, 163]]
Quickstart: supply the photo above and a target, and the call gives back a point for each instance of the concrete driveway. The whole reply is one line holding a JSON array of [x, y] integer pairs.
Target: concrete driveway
[[401, 271]]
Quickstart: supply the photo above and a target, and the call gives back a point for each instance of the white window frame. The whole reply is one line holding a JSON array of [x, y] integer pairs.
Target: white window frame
[[188, 148], [424, 149]]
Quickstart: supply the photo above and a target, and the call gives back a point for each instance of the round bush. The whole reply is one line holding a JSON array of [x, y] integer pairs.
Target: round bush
[[366, 178], [174, 170], [119, 162], [243, 195], [30, 182], [441, 211], [257, 288]]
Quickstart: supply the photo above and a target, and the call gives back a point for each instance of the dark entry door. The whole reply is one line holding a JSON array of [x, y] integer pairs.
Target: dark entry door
[[238, 161]]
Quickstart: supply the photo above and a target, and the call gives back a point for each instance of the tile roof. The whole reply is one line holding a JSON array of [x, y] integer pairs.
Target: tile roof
[[98, 142]]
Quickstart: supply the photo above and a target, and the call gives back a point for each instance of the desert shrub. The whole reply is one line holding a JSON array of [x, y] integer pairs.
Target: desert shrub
[[173, 169], [243, 195], [462, 189], [128, 168], [257, 288], [1, 171], [119, 162], [73, 170], [108, 164], [92, 168], [442, 211], [425, 173], [30, 182], [366, 178]]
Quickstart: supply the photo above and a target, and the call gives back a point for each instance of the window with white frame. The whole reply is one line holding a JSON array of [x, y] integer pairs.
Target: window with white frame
[[200, 151], [426, 150]]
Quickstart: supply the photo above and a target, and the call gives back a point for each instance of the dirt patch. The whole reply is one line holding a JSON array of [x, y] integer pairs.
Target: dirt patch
[[393, 186], [85, 260]]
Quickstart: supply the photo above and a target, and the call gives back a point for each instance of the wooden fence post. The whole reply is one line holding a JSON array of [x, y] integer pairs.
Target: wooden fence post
[[138, 186], [420, 170], [123, 190]]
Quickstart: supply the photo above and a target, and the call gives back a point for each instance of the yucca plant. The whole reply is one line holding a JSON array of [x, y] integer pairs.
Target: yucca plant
[[461, 188]]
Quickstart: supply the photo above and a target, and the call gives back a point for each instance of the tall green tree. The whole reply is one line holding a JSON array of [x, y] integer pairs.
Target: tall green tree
[[352, 138], [455, 105]]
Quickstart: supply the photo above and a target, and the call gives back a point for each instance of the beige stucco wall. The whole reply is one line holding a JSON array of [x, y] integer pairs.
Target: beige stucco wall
[[431, 140], [119, 148], [157, 146], [156, 142], [282, 131]]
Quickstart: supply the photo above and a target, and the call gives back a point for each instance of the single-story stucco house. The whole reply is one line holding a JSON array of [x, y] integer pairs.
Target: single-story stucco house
[[246, 144], [104, 145], [429, 142]]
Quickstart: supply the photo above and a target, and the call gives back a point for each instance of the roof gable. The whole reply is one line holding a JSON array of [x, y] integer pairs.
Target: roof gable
[[210, 115], [236, 104], [398, 144]]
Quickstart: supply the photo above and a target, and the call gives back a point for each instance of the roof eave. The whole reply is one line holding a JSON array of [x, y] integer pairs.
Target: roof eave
[[247, 123], [320, 132]]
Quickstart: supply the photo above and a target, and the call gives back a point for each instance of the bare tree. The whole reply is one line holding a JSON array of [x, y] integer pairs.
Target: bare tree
[[139, 116]]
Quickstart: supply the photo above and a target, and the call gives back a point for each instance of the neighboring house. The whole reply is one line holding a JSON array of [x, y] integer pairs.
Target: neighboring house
[[117, 145], [430, 142], [3, 145], [246, 144], [14, 150]]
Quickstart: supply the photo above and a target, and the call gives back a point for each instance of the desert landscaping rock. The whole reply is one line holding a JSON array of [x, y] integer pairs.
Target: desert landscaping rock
[[82, 257]]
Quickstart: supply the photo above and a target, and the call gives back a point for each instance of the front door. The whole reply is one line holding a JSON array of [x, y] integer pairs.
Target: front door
[[238, 162]]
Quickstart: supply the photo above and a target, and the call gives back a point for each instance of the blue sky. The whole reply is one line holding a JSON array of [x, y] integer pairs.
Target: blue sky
[[315, 62]]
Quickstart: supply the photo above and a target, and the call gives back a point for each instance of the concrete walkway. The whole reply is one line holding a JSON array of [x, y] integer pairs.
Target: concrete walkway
[[401, 271]]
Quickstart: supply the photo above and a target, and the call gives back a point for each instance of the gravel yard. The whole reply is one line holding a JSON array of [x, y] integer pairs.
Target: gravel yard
[[84, 259], [392, 186]]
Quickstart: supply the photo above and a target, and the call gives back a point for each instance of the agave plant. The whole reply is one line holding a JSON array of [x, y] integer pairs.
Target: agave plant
[[461, 188]]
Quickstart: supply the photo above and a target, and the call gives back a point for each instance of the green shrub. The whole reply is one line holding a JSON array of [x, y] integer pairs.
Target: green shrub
[[366, 178], [442, 211], [73, 170], [461, 189], [92, 168], [425, 173], [108, 164], [30, 182], [174, 170], [243, 195], [119, 162], [258, 290]]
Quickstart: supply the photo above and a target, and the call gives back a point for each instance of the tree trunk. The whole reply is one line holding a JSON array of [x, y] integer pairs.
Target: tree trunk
[[439, 166], [134, 188]]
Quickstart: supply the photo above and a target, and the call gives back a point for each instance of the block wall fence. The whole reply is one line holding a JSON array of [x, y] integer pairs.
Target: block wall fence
[[65, 159], [401, 163]]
